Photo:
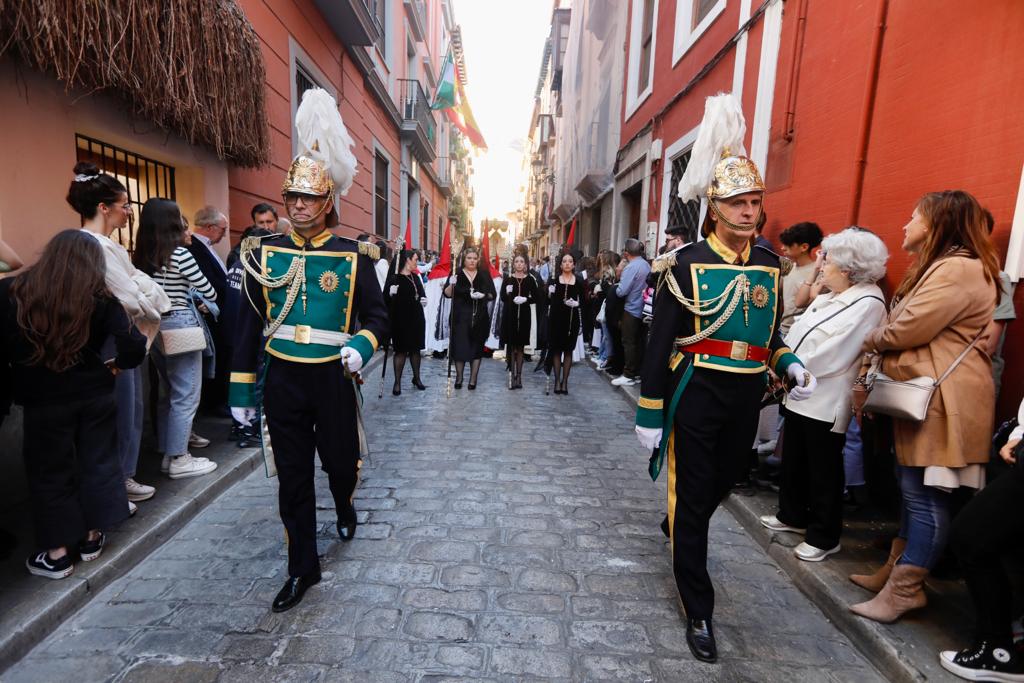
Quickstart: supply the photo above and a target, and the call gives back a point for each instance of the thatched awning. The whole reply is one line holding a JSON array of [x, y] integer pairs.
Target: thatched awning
[[193, 67]]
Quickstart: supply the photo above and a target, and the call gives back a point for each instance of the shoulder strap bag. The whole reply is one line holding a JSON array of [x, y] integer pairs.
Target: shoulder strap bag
[[174, 342]]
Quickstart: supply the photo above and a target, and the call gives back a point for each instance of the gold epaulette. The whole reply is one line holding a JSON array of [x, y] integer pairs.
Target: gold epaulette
[[786, 265], [250, 243], [371, 250], [664, 262]]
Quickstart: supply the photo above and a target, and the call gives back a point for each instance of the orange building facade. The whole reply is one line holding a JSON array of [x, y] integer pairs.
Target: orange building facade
[[854, 110]]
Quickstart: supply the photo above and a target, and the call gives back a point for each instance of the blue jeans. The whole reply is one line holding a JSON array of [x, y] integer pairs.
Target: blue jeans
[[853, 455], [182, 376], [130, 413], [605, 352], [924, 519]]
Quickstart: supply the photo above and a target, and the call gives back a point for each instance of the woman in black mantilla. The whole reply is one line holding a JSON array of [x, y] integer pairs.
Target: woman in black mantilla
[[518, 291], [566, 291], [406, 298], [471, 294]]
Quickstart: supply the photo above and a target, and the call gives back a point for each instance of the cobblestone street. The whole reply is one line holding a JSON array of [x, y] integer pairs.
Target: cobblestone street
[[504, 536]]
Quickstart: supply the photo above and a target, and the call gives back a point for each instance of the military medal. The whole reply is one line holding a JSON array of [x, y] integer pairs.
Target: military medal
[[329, 281], [759, 296]]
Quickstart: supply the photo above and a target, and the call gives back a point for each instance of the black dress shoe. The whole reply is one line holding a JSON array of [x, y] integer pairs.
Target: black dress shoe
[[701, 639], [458, 385], [419, 385], [472, 387], [347, 524], [293, 590], [396, 392]]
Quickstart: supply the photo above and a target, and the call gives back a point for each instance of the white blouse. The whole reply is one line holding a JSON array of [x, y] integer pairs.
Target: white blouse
[[830, 349]]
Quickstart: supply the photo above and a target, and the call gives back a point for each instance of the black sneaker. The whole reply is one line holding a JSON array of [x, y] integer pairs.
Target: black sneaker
[[984, 662], [90, 550], [47, 567], [250, 436], [237, 431]]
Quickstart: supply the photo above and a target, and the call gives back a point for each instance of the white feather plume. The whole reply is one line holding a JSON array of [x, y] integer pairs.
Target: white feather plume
[[722, 128], [322, 136]]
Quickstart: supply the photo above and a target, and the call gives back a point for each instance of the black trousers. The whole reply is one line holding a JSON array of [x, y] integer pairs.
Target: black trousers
[[811, 491], [714, 426], [74, 474], [989, 528], [310, 409], [632, 345]]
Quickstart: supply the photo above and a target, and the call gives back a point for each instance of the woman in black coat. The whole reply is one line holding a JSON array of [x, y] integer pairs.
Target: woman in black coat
[[471, 292], [406, 299], [566, 292], [518, 291]]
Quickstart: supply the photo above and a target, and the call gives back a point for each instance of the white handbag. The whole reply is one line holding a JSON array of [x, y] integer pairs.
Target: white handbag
[[181, 340]]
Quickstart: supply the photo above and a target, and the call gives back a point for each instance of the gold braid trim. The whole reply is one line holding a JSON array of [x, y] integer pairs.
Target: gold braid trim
[[371, 250], [294, 279], [739, 288]]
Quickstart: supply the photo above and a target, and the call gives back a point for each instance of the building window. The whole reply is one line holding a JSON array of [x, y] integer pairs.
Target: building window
[[144, 178], [680, 213], [440, 233], [693, 17], [643, 35], [426, 226], [379, 13], [381, 171], [303, 82]]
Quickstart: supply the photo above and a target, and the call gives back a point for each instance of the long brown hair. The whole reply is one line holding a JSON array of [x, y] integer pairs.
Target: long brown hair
[[161, 231], [57, 296], [956, 222]]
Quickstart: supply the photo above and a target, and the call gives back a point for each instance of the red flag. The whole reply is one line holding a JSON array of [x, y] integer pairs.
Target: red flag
[[408, 234], [487, 254], [443, 267], [572, 234]]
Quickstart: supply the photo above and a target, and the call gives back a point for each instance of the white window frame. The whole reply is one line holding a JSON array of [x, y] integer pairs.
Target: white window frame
[[633, 98], [685, 37], [299, 57], [1014, 266], [671, 152], [378, 149]]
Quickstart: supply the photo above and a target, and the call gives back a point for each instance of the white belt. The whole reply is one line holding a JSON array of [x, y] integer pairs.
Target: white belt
[[304, 334]]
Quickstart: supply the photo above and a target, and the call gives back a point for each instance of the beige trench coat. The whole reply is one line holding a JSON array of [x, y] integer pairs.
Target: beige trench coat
[[922, 336]]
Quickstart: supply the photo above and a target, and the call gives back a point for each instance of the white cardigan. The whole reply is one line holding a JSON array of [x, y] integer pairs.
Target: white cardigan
[[143, 300], [832, 350]]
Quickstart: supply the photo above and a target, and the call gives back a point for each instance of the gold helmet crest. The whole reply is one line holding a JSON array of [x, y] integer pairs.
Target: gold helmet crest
[[308, 176]]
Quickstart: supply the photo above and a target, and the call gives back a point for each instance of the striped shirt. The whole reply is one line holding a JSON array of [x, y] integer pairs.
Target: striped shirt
[[180, 276]]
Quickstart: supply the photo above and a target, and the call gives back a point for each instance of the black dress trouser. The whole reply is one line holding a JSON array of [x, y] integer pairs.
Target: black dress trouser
[[74, 473], [714, 424], [988, 529], [811, 487], [310, 409]]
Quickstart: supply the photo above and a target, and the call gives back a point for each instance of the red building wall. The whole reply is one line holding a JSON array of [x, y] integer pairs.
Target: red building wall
[[363, 115]]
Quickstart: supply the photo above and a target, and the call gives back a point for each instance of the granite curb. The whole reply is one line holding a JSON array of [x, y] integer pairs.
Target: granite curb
[[27, 624], [867, 636]]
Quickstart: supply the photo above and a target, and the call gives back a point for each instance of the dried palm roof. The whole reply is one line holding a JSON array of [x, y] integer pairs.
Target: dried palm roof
[[191, 66]]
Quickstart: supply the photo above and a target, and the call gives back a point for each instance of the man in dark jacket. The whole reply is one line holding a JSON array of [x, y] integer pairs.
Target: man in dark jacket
[[208, 229]]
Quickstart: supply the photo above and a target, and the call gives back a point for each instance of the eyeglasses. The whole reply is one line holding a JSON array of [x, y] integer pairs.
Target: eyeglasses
[[293, 199]]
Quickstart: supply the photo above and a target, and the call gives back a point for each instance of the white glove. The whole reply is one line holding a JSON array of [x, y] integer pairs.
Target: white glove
[[476, 295], [423, 301], [394, 290], [551, 289], [650, 437], [519, 300], [597, 289], [572, 303], [243, 415], [805, 383], [351, 359], [509, 289]]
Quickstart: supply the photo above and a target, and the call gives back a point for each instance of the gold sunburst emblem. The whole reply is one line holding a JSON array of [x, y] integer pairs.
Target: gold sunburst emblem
[[329, 281], [759, 296]]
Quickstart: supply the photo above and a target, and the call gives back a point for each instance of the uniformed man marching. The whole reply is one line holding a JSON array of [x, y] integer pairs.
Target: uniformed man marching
[[713, 337], [302, 294]]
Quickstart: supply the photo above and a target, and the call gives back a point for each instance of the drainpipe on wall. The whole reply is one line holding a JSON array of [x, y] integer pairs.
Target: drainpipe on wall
[[867, 112], [794, 70]]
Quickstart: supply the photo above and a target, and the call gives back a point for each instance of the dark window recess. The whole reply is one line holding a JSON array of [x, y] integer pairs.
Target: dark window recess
[[646, 43], [440, 233], [680, 213], [426, 226], [700, 10], [145, 178], [380, 191], [303, 82]]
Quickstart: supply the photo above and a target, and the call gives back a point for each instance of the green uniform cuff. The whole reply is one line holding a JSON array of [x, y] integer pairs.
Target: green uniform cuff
[[782, 359], [242, 394], [649, 412], [365, 343]]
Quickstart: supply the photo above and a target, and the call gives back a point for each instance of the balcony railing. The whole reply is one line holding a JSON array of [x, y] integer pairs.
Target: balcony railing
[[417, 120], [444, 175], [353, 21]]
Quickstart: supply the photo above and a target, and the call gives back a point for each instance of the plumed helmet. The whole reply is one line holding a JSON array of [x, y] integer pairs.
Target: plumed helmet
[[325, 165]]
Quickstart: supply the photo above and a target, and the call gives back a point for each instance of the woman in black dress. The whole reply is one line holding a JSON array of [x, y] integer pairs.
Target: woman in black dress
[[566, 291], [406, 298], [471, 294], [518, 291]]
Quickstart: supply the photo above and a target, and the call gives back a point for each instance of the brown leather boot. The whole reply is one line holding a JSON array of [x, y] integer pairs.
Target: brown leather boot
[[874, 582], [904, 591]]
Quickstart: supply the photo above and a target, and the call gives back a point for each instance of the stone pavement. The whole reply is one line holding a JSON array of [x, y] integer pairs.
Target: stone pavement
[[505, 536]]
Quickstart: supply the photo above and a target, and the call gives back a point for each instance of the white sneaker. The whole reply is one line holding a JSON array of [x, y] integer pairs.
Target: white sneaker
[[809, 553], [767, 447], [623, 381], [185, 466], [138, 492], [132, 509], [601, 364], [165, 464], [772, 522], [196, 441]]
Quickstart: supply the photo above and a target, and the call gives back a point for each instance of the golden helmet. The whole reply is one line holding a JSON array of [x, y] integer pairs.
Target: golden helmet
[[734, 175], [308, 176]]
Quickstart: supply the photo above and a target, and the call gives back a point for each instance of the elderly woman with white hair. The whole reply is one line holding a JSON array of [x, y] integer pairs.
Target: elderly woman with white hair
[[828, 339]]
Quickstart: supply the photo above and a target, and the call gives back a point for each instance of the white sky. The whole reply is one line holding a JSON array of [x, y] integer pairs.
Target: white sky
[[503, 42]]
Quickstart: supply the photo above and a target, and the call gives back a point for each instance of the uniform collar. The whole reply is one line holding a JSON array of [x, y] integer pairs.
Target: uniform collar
[[318, 241], [727, 254]]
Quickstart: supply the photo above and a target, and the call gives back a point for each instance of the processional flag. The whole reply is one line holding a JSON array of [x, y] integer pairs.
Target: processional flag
[[450, 97], [443, 267], [408, 233]]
